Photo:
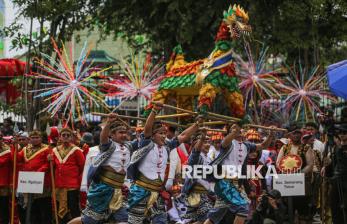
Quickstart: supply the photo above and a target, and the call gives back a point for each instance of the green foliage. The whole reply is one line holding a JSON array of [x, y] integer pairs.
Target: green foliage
[[313, 30]]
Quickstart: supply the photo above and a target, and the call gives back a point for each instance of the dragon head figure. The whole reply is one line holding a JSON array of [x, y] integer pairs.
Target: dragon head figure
[[237, 21]]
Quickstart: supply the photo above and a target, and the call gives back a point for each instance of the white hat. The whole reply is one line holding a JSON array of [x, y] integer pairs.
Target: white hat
[[23, 134], [283, 140]]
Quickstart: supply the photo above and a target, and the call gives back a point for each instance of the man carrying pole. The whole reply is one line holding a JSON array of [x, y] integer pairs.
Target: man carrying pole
[[147, 170]]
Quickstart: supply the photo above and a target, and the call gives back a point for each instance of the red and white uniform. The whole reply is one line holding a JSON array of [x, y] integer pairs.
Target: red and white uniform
[[36, 161], [68, 169]]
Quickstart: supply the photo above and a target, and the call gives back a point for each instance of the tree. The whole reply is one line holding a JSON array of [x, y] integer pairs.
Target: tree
[[314, 30]]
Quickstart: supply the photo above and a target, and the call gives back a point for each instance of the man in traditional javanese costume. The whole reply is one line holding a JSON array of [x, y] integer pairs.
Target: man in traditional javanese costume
[[231, 196], [147, 171], [68, 162], [306, 160], [196, 191], [105, 201], [35, 159]]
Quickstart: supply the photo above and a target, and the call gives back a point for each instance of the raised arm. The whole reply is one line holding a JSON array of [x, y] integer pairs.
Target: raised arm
[[187, 133], [266, 143], [105, 133], [234, 133], [147, 131]]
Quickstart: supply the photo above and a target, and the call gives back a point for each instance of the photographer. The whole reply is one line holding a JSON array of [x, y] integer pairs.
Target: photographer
[[270, 209], [336, 170]]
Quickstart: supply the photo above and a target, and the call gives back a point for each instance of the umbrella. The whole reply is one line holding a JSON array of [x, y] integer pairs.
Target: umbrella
[[337, 78]]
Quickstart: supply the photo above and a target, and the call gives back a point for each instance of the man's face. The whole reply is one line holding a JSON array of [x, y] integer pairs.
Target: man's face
[[66, 137], [35, 140], [311, 129], [217, 143], [170, 134], [120, 136], [23, 141], [278, 144], [295, 137], [159, 137], [206, 147]]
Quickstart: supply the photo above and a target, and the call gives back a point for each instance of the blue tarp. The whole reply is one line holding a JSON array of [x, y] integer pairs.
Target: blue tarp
[[337, 78]]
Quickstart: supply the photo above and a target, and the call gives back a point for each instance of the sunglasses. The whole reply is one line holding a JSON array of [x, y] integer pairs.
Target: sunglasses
[[66, 135]]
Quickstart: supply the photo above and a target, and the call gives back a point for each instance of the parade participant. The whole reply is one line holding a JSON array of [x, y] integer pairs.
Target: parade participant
[[5, 180], [178, 157], [230, 196], [254, 187], [216, 140], [195, 194], [21, 140], [86, 142], [336, 169], [34, 158], [105, 201], [7, 128], [171, 132], [147, 170], [311, 127], [306, 158], [68, 162], [53, 136], [308, 138]]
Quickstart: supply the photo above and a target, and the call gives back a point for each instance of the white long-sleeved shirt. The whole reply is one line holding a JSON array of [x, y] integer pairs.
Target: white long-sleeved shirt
[[154, 164], [93, 151], [120, 158]]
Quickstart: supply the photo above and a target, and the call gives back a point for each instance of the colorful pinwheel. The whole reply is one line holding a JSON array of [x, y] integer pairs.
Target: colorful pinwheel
[[304, 91], [69, 87], [142, 78], [257, 82]]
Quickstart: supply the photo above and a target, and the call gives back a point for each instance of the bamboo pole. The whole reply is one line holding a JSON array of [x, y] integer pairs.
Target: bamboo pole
[[176, 108], [265, 127], [173, 115], [223, 116], [212, 123], [14, 181], [139, 118], [120, 116], [54, 197], [214, 130]]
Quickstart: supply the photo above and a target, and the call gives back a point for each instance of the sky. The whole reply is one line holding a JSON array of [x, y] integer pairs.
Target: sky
[[11, 13]]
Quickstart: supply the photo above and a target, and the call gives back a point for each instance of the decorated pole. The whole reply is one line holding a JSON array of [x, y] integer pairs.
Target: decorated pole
[[14, 181], [54, 197]]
